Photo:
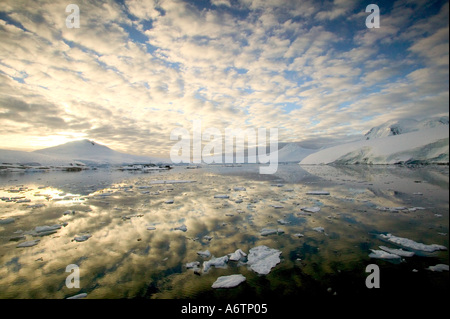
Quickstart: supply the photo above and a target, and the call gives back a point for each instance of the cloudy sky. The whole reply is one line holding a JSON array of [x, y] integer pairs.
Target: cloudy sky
[[135, 70]]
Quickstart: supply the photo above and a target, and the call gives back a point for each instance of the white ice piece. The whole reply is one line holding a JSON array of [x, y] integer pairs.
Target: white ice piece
[[204, 254], [438, 267], [409, 243], [400, 252], [268, 231], [318, 193], [221, 196], [220, 262], [82, 238], [182, 228], [262, 259], [228, 281], [237, 255], [314, 209], [28, 243], [381, 254]]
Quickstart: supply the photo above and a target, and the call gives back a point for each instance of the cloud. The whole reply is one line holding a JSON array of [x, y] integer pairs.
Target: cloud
[[135, 70]]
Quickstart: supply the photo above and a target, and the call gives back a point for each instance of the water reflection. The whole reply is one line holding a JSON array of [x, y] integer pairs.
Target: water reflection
[[126, 259]]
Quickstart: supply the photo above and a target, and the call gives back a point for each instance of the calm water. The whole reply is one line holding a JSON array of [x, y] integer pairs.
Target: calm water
[[124, 259]]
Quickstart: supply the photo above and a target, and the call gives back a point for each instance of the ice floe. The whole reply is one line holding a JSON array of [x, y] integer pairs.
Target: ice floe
[[314, 209], [381, 254], [318, 193], [182, 228], [220, 262], [204, 254], [411, 244], [228, 281], [400, 252], [262, 259], [319, 229], [439, 268], [78, 296], [283, 222], [82, 238], [193, 265], [269, 231], [28, 243], [221, 196], [237, 255], [6, 221]]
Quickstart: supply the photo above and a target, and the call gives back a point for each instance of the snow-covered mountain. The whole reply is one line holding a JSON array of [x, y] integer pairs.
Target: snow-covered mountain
[[426, 145], [82, 152], [292, 152], [397, 127]]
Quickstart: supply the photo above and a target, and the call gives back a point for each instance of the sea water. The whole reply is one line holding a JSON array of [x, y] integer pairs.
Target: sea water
[[139, 231]]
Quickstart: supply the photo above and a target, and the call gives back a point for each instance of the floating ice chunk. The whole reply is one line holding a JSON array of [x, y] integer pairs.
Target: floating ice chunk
[[283, 222], [151, 228], [28, 243], [221, 196], [318, 193], [69, 212], [319, 229], [268, 231], [208, 238], [79, 296], [298, 235], [237, 255], [438, 267], [381, 254], [228, 281], [399, 252], [193, 265], [262, 259], [314, 209], [82, 238], [277, 206], [238, 201], [169, 201], [23, 201], [182, 228], [408, 243], [7, 221], [204, 254], [220, 262], [237, 189]]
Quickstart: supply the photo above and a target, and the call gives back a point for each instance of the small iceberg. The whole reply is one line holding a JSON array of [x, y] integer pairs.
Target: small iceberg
[[79, 296], [262, 259], [283, 222], [169, 201], [314, 209], [220, 262], [411, 244], [400, 252], [238, 189], [228, 281], [221, 196], [7, 221], [319, 229], [28, 243], [318, 193], [182, 228], [381, 254], [204, 254], [237, 255], [193, 265], [269, 231], [82, 238], [438, 267]]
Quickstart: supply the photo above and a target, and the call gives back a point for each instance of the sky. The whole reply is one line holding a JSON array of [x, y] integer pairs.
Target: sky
[[135, 70]]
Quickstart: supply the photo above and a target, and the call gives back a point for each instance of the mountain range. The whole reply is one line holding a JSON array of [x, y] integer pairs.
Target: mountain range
[[394, 142]]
